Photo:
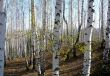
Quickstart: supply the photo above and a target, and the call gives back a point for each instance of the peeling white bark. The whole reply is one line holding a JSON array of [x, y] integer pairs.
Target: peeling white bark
[[56, 33], [2, 37], [88, 36]]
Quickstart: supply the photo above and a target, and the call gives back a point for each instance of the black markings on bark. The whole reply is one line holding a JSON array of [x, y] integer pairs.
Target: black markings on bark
[[2, 13], [90, 26], [86, 34], [59, 10], [55, 7], [107, 35], [56, 57], [57, 68], [55, 74], [1, 24], [89, 7], [88, 41], [58, 14], [88, 21], [108, 19], [58, 3], [85, 60], [93, 10], [91, 0], [56, 22], [108, 29]]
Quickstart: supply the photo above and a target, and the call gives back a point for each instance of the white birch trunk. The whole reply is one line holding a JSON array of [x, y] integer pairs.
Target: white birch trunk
[[56, 38], [88, 36], [41, 53], [38, 56], [107, 40], [2, 37]]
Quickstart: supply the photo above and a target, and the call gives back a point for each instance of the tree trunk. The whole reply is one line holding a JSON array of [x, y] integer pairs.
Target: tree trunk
[[33, 31], [79, 28], [107, 42], [99, 24], [88, 36], [80, 24], [2, 36], [102, 21], [56, 39], [67, 31]]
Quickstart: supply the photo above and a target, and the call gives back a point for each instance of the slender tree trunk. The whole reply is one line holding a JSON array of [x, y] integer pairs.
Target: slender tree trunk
[[88, 36], [102, 20], [33, 34], [84, 24], [2, 36], [107, 43], [99, 24], [80, 24], [78, 12], [67, 31], [41, 53], [56, 39], [71, 19], [28, 62]]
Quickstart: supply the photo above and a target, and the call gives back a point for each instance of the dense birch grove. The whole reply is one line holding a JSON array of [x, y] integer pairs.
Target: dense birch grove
[[54, 37]]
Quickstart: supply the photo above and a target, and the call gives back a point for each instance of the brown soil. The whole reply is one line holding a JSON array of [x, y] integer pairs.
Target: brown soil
[[69, 68]]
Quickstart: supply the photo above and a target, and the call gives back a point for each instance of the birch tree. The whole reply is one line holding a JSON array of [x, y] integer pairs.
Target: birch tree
[[67, 31], [2, 36], [88, 36], [56, 38], [99, 22], [33, 33], [80, 23], [41, 61], [107, 41], [102, 20], [71, 16]]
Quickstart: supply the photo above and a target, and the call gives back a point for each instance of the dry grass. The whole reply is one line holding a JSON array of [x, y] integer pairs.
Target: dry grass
[[69, 68]]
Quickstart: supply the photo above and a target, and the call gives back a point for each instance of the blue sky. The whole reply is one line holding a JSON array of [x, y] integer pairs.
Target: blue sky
[[38, 12]]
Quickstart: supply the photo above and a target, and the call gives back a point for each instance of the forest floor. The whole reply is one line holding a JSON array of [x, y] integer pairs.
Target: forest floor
[[72, 67]]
